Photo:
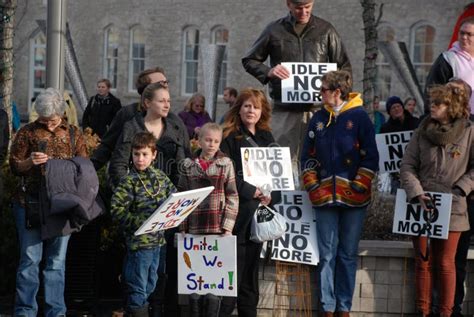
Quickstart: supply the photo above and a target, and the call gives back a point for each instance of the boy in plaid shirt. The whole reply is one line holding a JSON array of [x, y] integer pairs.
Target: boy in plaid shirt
[[217, 213]]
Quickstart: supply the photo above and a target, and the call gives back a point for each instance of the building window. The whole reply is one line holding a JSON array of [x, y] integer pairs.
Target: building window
[[384, 70], [111, 45], [136, 55], [190, 60], [422, 44], [220, 36], [37, 67]]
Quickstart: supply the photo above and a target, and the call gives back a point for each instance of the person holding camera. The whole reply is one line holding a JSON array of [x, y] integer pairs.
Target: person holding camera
[[440, 158], [48, 137]]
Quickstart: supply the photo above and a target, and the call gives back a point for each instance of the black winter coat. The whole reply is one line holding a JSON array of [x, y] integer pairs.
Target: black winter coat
[[172, 148], [100, 112], [247, 204], [410, 123]]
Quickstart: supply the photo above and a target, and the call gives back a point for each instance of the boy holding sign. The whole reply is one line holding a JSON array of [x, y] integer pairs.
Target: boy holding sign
[[136, 197], [217, 213]]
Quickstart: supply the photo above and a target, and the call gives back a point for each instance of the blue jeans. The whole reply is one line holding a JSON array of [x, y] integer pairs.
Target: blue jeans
[[338, 232], [27, 277], [140, 275]]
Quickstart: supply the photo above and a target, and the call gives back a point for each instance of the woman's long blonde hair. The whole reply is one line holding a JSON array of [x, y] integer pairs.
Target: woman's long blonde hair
[[232, 121]]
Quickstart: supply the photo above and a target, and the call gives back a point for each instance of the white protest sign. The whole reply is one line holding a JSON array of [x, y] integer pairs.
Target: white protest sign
[[207, 264], [410, 219], [391, 147], [174, 210], [299, 243], [304, 82], [268, 168]]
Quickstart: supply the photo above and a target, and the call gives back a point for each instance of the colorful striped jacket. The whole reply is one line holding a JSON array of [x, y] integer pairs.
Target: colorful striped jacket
[[340, 157], [219, 210], [133, 202]]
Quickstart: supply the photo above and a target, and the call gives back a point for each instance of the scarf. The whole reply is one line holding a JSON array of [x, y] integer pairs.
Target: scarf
[[442, 134]]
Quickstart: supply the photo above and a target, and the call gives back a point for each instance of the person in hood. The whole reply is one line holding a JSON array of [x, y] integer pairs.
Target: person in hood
[[338, 163], [458, 61]]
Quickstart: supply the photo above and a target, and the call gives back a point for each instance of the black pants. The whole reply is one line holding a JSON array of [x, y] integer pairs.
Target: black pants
[[461, 257], [248, 256]]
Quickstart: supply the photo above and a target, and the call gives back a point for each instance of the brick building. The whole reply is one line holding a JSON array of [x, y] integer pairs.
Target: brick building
[[118, 38]]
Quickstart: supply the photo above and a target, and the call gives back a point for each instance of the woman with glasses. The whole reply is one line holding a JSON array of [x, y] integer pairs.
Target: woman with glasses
[[338, 162], [195, 115], [440, 158]]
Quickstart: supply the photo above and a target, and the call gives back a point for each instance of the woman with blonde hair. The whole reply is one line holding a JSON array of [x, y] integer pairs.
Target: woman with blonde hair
[[195, 115], [440, 158]]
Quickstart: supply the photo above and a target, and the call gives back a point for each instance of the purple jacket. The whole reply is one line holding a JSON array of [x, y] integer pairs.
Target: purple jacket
[[193, 119]]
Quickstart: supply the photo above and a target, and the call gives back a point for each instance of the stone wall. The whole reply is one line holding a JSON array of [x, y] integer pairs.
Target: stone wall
[[385, 283]]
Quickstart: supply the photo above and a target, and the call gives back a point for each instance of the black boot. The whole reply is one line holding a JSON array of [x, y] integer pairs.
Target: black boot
[[211, 305], [195, 305], [138, 312]]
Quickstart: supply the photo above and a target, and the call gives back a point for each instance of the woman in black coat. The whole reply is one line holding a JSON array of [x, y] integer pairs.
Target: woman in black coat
[[249, 118]]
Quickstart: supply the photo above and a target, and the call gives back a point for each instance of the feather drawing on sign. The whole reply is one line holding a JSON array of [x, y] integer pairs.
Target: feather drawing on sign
[[187, 260]]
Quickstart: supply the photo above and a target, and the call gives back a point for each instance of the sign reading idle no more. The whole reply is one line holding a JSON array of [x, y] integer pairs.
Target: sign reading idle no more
[[410, 219], [207, 264], [304, 83], [268, 168], [174, 210], [299, 243], [391, 147]]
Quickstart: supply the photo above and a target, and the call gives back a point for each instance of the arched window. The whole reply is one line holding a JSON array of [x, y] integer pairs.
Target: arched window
[[37, 66], [384, 72], [422, 50], [111, 46], [190, 60], [220, 36], [136, 55]]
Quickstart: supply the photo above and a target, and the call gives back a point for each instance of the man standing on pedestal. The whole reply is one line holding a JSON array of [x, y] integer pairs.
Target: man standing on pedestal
[[298, 37]]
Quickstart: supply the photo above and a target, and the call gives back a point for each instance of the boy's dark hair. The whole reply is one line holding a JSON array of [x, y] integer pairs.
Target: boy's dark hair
[[143, 140], [232, 91]]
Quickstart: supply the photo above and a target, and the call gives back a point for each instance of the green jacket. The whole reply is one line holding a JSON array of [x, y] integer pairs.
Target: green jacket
[[134, 201]]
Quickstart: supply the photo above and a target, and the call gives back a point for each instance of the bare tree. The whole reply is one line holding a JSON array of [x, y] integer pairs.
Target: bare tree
[[6, 54], [371, 52]]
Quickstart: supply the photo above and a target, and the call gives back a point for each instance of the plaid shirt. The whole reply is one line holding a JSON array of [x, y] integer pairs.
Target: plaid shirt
[[132, 204], [219, 210]]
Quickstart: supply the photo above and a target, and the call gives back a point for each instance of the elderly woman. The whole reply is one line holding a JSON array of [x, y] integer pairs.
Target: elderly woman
[[195, 115], [338, 161], [49, 137], [247, 124], [440, 158]]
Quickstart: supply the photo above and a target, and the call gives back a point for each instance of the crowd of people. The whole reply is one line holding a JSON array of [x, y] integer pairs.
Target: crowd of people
[[146, 149]]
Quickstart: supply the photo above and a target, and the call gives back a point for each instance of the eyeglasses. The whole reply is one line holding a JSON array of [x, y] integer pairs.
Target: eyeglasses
[[324, 89], [468, 34], [163, 82]]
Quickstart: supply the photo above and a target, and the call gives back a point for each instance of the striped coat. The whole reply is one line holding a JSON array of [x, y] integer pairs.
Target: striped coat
[[219, 210]]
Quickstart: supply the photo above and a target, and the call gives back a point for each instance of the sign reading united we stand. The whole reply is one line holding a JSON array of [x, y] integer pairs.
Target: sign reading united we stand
[[207, 264]]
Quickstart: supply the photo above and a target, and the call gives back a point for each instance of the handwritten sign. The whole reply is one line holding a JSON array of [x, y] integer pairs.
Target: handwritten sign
[[299, 244], [268, 168], [304, 83], [174, 210], [391, 147], [410, 219], [207, 264]]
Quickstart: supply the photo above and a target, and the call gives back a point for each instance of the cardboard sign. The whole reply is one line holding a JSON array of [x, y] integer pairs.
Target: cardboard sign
[[304, 83], [174, 210], [410, 219], [299, 244], [207, 264], [391, 147], [268, 168]]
